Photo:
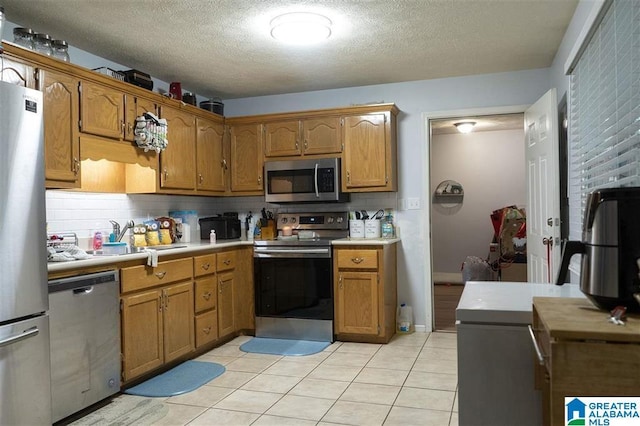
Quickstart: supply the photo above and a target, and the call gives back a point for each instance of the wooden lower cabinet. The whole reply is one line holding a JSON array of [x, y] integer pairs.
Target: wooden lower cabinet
[[582, 354], [206, 328], [365, 293], [225, 304], [142, 333], [157, 327]]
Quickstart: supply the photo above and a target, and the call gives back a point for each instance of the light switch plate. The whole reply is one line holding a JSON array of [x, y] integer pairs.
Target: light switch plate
[[413, 203]]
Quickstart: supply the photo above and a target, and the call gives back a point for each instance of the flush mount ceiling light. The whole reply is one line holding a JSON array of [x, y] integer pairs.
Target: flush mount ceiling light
[[300, 28], [465, 126]]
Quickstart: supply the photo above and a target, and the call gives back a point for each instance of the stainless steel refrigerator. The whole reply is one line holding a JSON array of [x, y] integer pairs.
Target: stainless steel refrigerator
[[25, 380]]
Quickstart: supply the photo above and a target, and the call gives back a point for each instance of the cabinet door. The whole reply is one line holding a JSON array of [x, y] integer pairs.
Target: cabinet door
[[246, 158], [210, 156], [101, 111], [133, 108], [322, 135], [178, 161], [364, 158], [244, 293], [282, 139], [142, 333], [61, 135], [357, 303], [17, 72], [178, 320], [225, 304]]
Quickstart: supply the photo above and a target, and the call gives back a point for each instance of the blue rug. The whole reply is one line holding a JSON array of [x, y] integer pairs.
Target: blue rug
[[263, 345], [184, 378]]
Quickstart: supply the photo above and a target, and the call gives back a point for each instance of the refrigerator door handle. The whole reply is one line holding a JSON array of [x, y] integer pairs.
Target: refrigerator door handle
[[31, 332]]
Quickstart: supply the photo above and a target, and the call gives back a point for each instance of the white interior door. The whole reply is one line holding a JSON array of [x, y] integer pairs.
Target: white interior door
[[543, 187]]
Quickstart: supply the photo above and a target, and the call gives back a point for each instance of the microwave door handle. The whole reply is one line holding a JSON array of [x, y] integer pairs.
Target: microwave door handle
[[315, 180]]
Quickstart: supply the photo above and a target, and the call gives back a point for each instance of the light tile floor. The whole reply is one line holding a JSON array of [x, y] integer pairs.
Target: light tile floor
[[410, 381]]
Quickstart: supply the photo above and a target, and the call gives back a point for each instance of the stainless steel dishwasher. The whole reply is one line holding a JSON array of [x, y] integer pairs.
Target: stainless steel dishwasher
[[84, 313]]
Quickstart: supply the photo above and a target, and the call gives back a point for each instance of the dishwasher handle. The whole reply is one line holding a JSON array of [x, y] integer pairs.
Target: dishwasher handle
[[83, 290], [536, 347], [31, 332]]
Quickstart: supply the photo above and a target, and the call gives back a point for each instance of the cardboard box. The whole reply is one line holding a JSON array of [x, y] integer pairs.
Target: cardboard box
[[516, 272]]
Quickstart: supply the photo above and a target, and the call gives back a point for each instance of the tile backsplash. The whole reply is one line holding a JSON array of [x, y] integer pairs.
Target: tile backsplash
[[83, 212]]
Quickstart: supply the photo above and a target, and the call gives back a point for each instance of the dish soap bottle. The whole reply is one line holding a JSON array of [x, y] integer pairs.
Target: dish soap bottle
[[97, 240], [387, 227], [212, 237]]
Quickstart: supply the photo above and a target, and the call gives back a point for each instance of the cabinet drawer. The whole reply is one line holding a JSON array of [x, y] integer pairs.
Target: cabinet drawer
[[139, 277], [206, 328], [358, 259], [204, 265], [206, 295], [226, 260]]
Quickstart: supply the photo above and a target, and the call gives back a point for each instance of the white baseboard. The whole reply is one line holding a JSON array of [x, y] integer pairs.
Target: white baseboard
[[420, 328]]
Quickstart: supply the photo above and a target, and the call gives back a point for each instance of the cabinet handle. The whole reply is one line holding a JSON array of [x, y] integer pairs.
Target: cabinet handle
[[160, 274], [340, 281], [129, 128], [166, 300], [259, 179], [297, 145], [348, 176], [357, 260], [166, 173], [227, 262], [206, 330], [200, 177], [306, 144], [207, 295], [535, 345], [160, 303], [122, 125], [220, 287], [224, 164], [76, 166], [206, 266]]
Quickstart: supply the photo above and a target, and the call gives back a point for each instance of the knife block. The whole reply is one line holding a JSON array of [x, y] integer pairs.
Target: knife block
[[268, 231]]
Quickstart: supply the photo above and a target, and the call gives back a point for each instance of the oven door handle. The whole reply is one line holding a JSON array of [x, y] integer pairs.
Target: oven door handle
[[272, 252], [315, 180]]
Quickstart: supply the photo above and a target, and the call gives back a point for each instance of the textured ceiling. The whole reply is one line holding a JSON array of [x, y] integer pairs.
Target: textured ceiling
[[223, 47]]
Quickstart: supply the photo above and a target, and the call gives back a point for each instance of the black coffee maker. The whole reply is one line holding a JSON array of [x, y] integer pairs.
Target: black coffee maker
[[610, 249]]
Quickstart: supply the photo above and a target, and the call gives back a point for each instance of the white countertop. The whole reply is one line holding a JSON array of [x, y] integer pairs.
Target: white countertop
[[364, 241], [186, 248], [181, 248], [496, 302]]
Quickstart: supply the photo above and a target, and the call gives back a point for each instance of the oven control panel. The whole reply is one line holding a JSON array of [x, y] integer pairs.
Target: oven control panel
[[314, 221]]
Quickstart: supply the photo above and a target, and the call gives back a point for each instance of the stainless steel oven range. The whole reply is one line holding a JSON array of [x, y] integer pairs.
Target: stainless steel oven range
[[294, 276]]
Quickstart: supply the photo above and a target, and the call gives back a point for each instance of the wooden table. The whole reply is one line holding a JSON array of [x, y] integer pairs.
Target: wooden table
[[583, 354]]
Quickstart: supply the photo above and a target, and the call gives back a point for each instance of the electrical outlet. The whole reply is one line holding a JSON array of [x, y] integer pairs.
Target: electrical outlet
[[413, 203]]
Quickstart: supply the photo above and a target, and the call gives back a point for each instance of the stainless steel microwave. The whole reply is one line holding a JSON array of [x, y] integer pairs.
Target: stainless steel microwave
[[303, 181]]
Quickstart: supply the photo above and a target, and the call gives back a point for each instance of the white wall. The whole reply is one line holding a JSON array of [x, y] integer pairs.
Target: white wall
[[490, 167]]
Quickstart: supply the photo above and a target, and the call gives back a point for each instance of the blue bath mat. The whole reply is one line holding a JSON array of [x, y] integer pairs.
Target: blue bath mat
[[184, 378], [263, 345]]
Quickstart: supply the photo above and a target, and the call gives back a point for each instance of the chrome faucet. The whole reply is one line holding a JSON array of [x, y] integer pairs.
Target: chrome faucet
[[116, 229]]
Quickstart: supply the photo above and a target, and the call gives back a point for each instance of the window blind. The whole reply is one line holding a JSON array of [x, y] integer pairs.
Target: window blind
[[604, 110]]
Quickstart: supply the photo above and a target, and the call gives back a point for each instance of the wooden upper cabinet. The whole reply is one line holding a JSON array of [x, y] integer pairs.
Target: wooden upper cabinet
[[368, 155], [61, 136], [211, 164], [101, 110], [310, 136], [247, 158], [321, 135], [178, 160], [17, 72], [282, 139], [134, 107]]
